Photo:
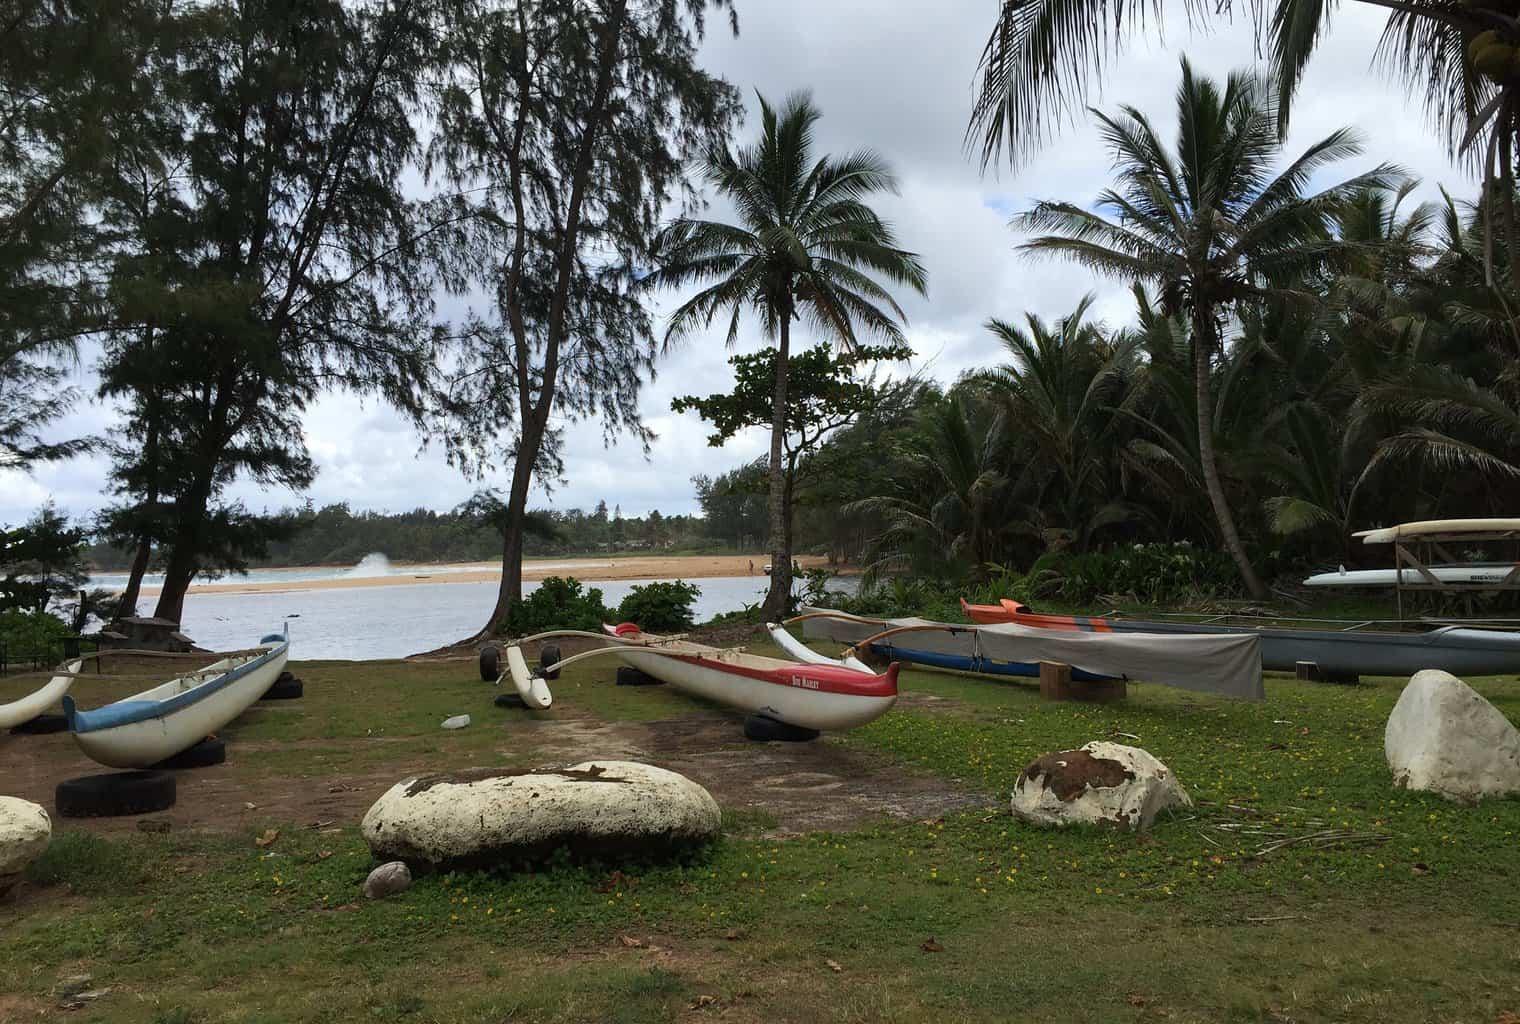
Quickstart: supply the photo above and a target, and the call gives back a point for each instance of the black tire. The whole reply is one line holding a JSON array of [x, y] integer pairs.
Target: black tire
[[509, 700], [204, 754], [630, 676], [490, 663], [285, 689], [548, 657], [764, 729], [286, 676], [114, 795], [41, 726]]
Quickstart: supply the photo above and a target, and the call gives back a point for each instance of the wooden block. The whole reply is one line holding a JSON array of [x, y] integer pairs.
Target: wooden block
[[1055, 681], [1099, 691], [1307, 671]]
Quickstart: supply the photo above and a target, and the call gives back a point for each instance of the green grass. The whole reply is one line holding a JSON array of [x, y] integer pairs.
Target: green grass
[[1181, 924]]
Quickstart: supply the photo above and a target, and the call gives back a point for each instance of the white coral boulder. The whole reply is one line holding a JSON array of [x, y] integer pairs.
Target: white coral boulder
[[485, 817], [1443, 737], [1100, 784], [25, 831]]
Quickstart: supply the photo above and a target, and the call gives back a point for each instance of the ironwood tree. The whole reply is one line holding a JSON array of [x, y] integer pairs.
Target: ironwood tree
[[76, 81], [277, 255], [571, 123]]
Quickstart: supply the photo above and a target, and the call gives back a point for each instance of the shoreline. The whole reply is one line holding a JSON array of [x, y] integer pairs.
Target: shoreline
[[590, 570]]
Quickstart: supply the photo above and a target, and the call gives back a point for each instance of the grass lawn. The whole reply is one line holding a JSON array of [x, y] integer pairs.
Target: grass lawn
[[963, 915]]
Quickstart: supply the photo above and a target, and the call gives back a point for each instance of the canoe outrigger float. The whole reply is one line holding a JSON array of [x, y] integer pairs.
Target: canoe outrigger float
[[1460, 650], [152, 726], [24, 709], [1227, 665], [809, 696]]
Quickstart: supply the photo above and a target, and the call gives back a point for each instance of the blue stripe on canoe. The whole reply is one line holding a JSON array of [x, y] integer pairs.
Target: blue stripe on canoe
[[126, 712], [982, 666]]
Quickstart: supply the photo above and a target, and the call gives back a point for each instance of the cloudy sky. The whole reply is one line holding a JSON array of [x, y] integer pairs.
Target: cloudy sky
[[896, 77]]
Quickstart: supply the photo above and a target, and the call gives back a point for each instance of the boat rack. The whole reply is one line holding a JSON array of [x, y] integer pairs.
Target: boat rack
[[1414, 552]]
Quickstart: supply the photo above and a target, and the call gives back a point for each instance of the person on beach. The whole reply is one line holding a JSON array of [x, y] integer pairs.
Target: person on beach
[[751, 566]]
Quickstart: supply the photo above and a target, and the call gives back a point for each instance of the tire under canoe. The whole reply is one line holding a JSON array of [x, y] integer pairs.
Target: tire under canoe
[[115, 794]]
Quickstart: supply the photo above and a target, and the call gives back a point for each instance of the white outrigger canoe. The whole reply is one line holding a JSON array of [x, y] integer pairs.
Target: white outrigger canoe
[[1500, 572], [823, 697], [149, 727], [24, 709]]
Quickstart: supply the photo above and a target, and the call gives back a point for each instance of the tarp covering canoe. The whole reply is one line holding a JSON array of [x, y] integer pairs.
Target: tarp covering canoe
[[1228, 665]]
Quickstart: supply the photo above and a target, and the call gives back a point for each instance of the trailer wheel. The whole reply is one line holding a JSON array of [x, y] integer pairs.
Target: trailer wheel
[[764, 728], [490, 663], [627, 675], [41, 726], [548, 657], [116, 794], [204, 754], [508, 700], [285, 689]]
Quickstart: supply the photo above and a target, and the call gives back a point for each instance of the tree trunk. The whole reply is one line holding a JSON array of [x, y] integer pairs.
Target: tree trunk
[[126, 606], [177, 576], [1203, 344], [510, 590], [778, 599], [1507, 208]]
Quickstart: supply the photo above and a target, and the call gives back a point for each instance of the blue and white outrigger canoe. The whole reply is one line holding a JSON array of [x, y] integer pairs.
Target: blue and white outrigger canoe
[[149, 727]]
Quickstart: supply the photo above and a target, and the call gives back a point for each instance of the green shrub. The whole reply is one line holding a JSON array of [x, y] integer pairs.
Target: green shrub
[[558, 603], [663, 607], [1147, 573], [32, 636]]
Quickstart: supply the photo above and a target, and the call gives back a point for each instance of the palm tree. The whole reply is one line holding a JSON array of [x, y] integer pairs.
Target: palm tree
[[946, 507], [1060, 390], [805, 248], [1210, 227], [1458, 54]]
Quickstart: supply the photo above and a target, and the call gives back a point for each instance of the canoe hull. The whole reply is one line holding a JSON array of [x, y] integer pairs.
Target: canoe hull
[[827, 698], [141, 744], [1460, 650]]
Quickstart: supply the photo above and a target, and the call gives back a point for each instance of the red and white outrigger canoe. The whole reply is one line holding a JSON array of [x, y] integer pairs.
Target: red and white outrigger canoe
[[821, 697]]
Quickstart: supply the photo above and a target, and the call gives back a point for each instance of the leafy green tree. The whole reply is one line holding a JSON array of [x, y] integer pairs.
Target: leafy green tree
[[41, 562], [806, 247], [826, 391], [1211, 226], [571, 124]]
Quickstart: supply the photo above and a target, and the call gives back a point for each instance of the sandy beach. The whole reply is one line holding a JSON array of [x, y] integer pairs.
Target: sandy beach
[[642, 567]]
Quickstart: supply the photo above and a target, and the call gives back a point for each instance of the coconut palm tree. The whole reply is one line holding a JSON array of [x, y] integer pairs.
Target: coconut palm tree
[[1060, 389], [945, 507], [1210, 227], [1459, 55], [805, 248]]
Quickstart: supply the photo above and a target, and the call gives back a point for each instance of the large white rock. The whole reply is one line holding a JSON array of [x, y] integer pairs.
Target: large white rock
[[1445, 738], [1101, 784], [25, 831], [487, 816]]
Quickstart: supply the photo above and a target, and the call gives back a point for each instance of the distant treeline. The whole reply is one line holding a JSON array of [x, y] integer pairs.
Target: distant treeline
[[338, 535]]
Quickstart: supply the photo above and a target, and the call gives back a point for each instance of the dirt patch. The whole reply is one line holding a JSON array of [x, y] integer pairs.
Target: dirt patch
[[820, 785], [1069, 773], [824, 784]]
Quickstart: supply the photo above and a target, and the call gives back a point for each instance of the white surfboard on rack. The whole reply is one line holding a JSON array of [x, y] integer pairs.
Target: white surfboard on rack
[[1436, 527]]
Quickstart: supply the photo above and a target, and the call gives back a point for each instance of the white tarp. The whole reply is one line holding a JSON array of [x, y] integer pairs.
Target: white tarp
[[1224, 664]]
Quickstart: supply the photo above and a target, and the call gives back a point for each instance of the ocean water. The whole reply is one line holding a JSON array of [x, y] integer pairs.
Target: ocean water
[[364, 623], [371, 566]]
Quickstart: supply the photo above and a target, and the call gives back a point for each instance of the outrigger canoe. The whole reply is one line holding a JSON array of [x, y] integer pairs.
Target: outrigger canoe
[[149, 727], [1460, 650], [1226, 665], [809, 696]]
